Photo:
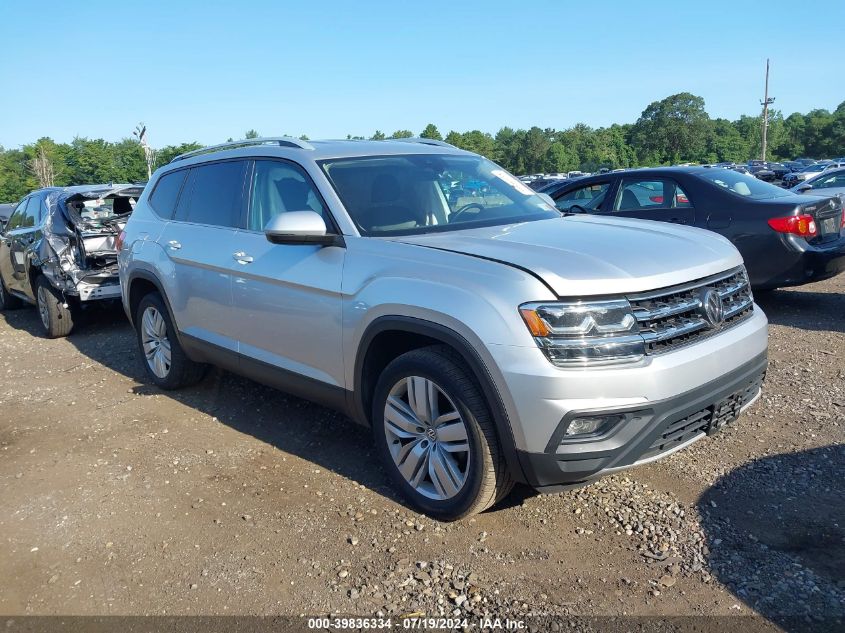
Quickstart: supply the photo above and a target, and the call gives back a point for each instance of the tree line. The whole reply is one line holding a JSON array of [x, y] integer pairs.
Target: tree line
[[676, 129]]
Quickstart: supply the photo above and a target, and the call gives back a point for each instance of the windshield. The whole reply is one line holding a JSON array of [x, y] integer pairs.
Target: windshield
[[743, 185], [409, 194]]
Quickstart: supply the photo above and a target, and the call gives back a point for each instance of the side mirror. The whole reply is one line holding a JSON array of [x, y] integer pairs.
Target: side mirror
[[300, 227], [804, 188]]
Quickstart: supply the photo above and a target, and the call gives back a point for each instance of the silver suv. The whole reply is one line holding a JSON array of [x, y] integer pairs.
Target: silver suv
[[429, 294]]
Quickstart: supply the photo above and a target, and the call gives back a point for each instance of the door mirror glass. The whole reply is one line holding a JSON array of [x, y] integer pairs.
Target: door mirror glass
[[298, 227]]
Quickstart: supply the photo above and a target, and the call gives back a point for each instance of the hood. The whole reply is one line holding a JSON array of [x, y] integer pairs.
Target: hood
[[589, 255]]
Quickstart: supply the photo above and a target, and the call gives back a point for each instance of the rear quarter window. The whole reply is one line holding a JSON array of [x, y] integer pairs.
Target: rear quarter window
[[164, 196]]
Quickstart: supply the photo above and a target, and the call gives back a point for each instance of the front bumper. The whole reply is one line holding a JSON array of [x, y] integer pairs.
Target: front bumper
[[539, 399], [646, 433]]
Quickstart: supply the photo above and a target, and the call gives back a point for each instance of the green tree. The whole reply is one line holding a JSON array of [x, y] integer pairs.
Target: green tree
[[726, 144], [671, 130], [378, 136], [251, 134], [169, 152], [431, 132], [402, 134]]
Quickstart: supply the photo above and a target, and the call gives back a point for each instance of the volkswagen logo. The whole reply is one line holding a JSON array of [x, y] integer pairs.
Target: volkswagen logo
[[432, 434], [712, 308]]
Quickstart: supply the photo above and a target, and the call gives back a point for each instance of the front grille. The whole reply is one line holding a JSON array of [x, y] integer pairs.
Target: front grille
[[707, 420], [673, 317]]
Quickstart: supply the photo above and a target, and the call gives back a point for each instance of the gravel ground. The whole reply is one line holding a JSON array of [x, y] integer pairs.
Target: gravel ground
[[231, 498]]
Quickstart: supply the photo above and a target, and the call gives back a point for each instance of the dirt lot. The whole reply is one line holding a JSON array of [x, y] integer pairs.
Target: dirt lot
[[231, 498]]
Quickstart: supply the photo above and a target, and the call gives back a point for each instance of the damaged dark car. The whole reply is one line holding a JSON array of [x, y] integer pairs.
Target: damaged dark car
[[58, 251]]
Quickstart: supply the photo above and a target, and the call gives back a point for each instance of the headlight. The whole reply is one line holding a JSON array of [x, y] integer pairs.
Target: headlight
[[572, 334]]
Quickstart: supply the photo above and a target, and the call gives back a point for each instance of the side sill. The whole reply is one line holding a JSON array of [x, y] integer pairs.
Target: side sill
[[316, 391]]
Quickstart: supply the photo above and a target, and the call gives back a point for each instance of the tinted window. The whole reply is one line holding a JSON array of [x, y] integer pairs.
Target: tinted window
[[587, 197], [35, 208], [163, 198], [215, 194], [636, 195], [17, 215], [279, 187]]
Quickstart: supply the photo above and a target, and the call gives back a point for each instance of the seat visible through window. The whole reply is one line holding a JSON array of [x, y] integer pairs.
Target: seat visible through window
[[279, 187]]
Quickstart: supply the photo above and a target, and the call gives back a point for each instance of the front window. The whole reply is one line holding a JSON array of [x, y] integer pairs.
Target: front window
[[742, 185], [826, 181], [409, 194], [588, 197]]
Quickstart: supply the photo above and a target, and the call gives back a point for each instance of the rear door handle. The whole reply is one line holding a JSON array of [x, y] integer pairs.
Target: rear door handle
[[174, 245], [242, 258]]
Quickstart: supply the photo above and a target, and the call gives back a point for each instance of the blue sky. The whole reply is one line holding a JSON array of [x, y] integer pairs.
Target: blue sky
[[203, 70]]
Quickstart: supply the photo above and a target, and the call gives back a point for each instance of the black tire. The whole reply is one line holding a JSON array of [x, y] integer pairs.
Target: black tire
[[56, 315], [487, 476], [181, 371], [7, 301]]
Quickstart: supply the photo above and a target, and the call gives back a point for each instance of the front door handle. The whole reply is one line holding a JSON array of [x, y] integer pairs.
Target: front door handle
[[174, 245], [242, 258]]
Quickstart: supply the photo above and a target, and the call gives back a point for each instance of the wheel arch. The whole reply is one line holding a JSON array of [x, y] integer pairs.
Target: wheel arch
[[141, 283], [387, 337]]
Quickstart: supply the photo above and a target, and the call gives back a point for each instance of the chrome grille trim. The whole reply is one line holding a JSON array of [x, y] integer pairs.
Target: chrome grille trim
[[670, 318]]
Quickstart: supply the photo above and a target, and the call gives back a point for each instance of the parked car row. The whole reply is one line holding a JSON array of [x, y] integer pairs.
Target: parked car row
[[786, 239], [487, 334], [786, 174]]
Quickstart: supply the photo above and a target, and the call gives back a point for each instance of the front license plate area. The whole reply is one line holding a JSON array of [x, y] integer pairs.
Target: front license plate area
[[724, 412]]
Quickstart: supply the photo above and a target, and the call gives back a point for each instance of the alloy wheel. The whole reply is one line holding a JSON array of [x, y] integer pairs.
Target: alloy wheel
[[43, 310], [155, 343], [427, 438]]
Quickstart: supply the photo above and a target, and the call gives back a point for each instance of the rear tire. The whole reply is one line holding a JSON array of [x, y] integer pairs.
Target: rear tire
[[435, 435], [8, 301], [163, 358], [56, 316]]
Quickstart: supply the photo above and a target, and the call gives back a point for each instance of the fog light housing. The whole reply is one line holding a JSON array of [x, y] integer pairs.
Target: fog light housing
[[592, 425]]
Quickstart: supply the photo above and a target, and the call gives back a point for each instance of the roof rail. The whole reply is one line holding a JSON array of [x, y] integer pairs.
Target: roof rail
[[281, 141], [423, 141]]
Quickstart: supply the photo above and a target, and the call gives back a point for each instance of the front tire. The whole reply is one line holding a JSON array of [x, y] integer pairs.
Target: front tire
[[434, 433], [165, 361], [56, 315]]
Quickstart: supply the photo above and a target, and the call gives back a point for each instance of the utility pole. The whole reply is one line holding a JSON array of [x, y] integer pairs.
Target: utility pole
[[766, 102]]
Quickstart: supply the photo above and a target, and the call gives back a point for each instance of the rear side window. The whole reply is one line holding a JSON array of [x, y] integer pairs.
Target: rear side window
[[31, 215], [214, 194], [163, 198], [637, 195]]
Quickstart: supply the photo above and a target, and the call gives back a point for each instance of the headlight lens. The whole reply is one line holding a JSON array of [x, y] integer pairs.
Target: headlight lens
[[580, 333]]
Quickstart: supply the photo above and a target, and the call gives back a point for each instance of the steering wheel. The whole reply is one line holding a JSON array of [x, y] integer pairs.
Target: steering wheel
[[457, 214]]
